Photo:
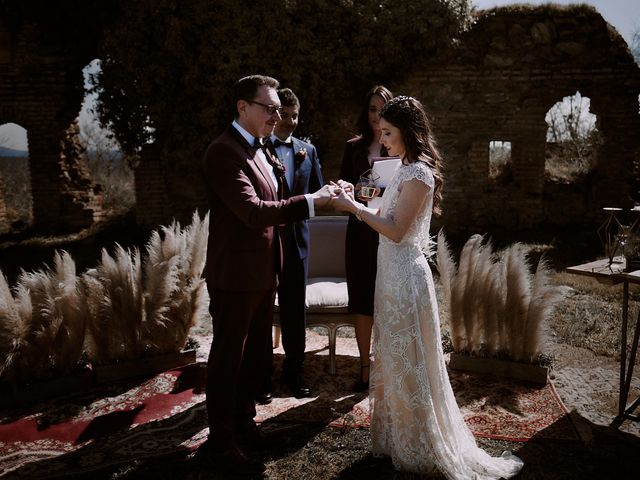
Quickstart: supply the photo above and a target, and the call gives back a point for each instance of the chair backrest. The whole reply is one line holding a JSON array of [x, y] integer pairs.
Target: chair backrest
[[326, 246]]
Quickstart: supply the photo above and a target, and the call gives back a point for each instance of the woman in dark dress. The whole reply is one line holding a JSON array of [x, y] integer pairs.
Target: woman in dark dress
[[362, 240]]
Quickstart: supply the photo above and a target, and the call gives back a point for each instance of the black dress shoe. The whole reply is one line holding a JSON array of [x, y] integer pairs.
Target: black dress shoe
[[297, 385], [264, 398], [232, 461], [362, 385]]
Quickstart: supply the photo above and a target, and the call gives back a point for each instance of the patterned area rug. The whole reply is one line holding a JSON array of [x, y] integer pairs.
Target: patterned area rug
[[493, 408], [107, 426], [165, 415]]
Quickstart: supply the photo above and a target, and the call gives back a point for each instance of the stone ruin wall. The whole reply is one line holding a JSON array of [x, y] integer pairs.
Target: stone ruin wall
[[498, 84], [41, 89]]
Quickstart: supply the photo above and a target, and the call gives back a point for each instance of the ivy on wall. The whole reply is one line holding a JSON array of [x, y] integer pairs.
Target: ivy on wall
[[167, 65]]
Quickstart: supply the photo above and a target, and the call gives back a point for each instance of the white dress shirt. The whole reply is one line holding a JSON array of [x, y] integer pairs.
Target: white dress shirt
[[251, 140]]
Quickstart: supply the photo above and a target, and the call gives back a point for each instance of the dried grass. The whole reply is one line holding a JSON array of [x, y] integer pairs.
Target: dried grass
[[123, 309], [495, 305], [113, 298], [589, 315], [43, 326]]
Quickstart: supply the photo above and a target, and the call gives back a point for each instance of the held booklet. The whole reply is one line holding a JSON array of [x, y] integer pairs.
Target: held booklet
[[384, 168]]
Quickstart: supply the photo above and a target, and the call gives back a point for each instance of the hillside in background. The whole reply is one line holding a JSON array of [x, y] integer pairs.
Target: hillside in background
[[12, 152]]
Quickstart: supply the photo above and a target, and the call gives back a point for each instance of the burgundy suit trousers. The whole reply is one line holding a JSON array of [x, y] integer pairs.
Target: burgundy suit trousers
[[241, 322]]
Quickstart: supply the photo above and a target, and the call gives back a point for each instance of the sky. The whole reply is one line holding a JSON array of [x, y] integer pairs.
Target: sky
[[624, 15]]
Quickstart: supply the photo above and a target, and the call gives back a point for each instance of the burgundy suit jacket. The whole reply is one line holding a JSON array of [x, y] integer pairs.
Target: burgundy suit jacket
[[244, 206]]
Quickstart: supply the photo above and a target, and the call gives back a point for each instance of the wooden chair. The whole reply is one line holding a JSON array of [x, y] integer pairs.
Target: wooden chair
[[327, 297]]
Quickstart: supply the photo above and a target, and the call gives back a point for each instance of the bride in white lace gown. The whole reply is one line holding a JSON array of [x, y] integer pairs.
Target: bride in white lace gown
[[415, 418]]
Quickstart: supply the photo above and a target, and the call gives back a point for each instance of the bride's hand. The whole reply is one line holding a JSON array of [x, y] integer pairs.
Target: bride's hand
[[346, 186], [342, 186], [342, 200]]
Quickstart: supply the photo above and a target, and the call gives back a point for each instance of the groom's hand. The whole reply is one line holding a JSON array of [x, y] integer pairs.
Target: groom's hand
[[322, 196]]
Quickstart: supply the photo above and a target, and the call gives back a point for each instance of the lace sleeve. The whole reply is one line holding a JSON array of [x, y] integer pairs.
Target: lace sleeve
[[422, 172]]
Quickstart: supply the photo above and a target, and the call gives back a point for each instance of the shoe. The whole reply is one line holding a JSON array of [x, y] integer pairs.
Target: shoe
[[231, 461], [297, 384], [264, 396], [362, 385]]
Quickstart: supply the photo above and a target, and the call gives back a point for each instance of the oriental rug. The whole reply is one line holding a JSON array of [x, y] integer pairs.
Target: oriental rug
[[165, 415]]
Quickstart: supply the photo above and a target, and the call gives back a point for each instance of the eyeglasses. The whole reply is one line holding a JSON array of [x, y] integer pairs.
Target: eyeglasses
[[270, 109]]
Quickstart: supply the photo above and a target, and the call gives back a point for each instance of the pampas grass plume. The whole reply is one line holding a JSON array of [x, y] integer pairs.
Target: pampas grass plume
[[494, 303]]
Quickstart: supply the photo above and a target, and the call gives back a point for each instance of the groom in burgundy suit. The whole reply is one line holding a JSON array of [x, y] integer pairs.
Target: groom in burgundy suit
[[244, 188]]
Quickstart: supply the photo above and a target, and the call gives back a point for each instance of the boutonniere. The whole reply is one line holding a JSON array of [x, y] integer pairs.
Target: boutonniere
[[278, 167], [300, 156]]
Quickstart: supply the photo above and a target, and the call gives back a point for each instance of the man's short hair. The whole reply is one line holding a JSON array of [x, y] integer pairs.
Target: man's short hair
[[247, 87], [288, 98]]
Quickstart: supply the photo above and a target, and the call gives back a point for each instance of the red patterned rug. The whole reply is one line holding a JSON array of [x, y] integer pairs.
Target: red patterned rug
[[107, 426], [165, 415]]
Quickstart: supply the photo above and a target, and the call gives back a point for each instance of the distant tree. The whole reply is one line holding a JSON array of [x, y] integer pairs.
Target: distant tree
[[6, 141], [109, 168], [635, 45], [168, 66], [573, 131]]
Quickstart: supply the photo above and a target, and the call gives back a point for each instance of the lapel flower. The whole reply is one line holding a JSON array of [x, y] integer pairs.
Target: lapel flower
[[278, 167], [300, 156]]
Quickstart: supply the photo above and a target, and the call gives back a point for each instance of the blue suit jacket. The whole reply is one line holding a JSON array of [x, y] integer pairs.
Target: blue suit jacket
[[307, 179]]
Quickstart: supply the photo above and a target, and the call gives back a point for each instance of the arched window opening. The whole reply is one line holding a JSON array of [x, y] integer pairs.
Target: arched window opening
[[572, 139], [499, 160], [14, 172], [107, 164]]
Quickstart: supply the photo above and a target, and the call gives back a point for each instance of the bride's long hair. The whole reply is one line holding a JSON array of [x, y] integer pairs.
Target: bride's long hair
[[409, 116]]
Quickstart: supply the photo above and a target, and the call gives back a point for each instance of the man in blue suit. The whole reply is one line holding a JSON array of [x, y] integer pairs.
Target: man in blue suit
[[302, 175]]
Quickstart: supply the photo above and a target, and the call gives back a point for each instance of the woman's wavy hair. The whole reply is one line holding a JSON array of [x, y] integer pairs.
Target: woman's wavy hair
[[409, 116], [362, 123]]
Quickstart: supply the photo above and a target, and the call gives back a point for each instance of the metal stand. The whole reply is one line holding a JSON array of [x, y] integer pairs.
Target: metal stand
[[627, 365]]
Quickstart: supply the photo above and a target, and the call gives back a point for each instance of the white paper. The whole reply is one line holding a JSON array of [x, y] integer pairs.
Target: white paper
[[384, 168]]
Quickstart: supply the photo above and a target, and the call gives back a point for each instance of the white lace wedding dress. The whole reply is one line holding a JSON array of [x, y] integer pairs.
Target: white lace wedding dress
[[415, 418]]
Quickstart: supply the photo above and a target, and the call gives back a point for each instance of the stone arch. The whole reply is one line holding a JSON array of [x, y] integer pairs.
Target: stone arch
[[41, 87]]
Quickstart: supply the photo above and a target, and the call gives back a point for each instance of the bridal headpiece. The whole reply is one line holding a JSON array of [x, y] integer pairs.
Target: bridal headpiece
[[400, 100]]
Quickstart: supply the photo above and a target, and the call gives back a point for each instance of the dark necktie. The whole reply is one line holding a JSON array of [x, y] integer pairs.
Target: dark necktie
[[267, 148], [271, 157], [278, 143]]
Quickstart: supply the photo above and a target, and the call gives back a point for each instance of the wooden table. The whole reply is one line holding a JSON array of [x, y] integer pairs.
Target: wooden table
[[614, 274]]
